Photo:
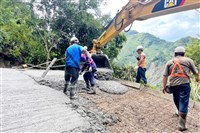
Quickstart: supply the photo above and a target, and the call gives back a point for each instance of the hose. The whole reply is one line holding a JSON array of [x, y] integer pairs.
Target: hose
[[129, 28], [121, 23]]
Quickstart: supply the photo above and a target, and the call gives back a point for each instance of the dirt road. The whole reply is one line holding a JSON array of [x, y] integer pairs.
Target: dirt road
[[141, 111]]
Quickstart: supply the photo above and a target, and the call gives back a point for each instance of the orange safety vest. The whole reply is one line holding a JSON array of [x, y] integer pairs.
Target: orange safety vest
[[177, 64]]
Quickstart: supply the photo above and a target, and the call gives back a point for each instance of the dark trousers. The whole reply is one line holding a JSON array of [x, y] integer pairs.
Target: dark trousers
[[89, 78], [71, 75], [181, 96], [141, 75]]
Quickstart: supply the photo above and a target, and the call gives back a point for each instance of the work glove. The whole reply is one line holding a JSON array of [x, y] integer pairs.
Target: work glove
[[94, 70], [80, 73], [90, 69], [87, 62], [163, 90], [167, 89]]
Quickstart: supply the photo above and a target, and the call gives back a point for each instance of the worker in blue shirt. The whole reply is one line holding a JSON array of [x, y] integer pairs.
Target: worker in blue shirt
[[72, 66]]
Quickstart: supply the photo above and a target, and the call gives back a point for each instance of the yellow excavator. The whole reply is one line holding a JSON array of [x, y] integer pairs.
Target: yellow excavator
[[136, 10]]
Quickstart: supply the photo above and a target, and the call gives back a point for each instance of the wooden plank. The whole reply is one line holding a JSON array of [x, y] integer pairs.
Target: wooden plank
[[48, 68], [131, 84]]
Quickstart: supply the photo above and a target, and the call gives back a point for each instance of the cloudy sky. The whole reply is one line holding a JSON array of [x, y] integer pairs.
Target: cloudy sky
[[169, 27]]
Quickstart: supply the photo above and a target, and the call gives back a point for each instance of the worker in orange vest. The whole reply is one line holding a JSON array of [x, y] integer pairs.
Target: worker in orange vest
[[178, 69], [141, 65]]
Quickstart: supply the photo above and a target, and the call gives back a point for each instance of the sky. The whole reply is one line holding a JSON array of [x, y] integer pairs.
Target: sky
[[169, 27]]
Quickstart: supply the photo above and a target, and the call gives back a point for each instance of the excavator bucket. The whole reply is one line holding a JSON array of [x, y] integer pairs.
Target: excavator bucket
[[101, 60]]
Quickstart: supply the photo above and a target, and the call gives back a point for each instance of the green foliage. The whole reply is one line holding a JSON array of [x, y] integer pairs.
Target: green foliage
[[125, 73], [16, 32], [74, 19], [114, 46], [195, 91], [157, 50], [193, 51], [35, 37]]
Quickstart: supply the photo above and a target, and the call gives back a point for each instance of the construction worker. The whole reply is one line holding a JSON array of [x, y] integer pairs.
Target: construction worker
[[178, 69], [89, 67], [141, 65], [72, 66]]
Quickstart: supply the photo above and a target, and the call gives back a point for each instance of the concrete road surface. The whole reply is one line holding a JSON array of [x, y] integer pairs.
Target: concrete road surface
[[29, 107]]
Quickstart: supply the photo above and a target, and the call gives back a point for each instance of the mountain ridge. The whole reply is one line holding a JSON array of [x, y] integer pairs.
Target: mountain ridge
[[158, 52]]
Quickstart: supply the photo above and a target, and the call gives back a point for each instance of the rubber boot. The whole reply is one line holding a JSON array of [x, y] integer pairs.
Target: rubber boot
[[92, 90], [87, 86], [176, 114], [66, 88], [182, 122], [72, 91]]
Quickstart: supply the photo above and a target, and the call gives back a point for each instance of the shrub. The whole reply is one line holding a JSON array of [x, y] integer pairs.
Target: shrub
[[124, 72]]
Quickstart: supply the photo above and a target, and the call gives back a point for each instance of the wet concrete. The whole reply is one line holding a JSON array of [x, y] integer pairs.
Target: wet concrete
[[27, 106], [97, 118], [112, 87], [104, 74]]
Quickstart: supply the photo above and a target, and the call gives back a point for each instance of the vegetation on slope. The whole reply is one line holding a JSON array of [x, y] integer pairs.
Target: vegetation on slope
[[34, 31]]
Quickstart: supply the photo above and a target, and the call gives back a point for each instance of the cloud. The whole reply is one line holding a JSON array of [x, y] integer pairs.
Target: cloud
[[169, 27]]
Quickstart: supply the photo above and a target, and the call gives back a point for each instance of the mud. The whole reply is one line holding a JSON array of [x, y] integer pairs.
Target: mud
[[112, 87]]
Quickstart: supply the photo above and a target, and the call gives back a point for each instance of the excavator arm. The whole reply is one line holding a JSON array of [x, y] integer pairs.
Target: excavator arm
[[141, 10]]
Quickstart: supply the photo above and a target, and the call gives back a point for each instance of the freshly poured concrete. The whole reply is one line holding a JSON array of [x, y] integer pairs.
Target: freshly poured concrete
[[27, 106]]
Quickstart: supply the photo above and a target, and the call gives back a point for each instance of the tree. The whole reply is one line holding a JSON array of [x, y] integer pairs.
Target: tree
[[64, 19], [34, 31], [16, 33], [47, 13], [193, 51], [74, 19], [114, 46]]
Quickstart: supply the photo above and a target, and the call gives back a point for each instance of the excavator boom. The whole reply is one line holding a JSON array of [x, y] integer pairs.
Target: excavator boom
[[141, 10]]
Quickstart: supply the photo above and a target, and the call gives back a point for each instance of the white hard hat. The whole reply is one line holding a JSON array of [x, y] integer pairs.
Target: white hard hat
[[179, 49], [139, 47], [74, 39], [85, 47]]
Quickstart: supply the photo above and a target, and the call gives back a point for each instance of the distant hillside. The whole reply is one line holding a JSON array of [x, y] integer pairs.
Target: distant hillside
[[158, 52]]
